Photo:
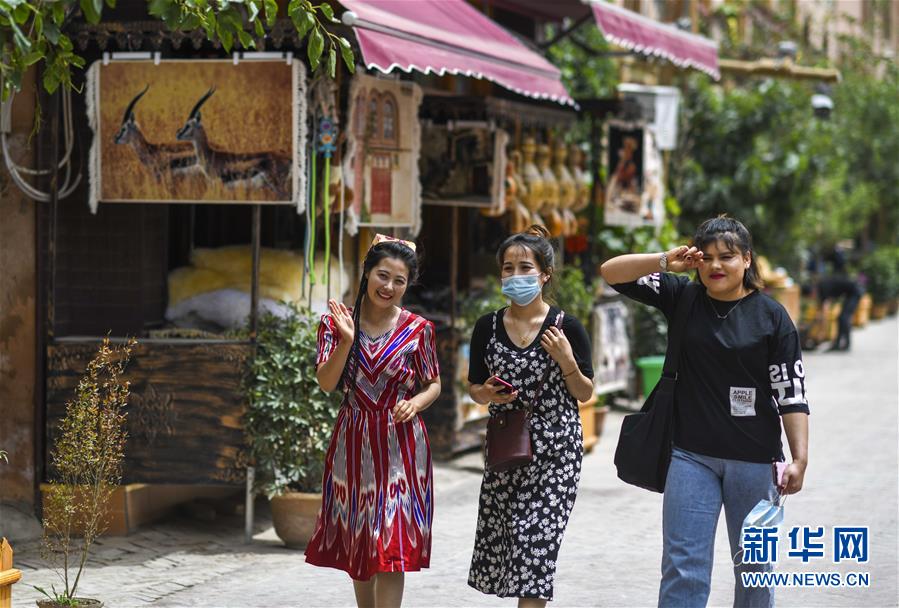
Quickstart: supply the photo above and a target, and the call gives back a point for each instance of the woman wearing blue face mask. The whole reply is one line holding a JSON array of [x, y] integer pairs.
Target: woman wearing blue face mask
[[545, 355]]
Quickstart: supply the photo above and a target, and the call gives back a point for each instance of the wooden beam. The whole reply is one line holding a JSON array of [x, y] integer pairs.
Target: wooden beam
[[778, 68]]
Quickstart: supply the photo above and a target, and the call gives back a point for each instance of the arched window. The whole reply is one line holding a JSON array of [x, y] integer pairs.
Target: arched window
[[374, 119], [388, 119], [361, 111]]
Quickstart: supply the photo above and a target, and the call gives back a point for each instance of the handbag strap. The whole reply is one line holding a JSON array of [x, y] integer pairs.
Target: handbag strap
[[557, 323], [546, 372], [677, 327]]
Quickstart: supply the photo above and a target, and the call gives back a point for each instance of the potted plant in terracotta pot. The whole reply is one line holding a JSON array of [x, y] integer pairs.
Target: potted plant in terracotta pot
[[86, 466], [289, 421]]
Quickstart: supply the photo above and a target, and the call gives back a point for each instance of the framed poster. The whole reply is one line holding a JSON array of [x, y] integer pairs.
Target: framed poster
[[197, 131], [383, 144], [611, 347], [634, 191], [464, 165]]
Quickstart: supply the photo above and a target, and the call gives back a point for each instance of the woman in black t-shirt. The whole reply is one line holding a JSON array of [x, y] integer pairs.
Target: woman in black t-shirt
[[740, 374], [523, 512]]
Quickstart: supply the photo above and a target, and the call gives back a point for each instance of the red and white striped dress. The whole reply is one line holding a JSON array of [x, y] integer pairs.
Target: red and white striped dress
[[377, 488]]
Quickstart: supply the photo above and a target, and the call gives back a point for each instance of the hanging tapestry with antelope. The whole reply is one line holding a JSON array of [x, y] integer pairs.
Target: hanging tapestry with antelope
[[204, 131]]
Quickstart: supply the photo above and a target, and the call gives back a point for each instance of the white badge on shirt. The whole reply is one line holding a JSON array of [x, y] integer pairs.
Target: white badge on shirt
[[742, 401]]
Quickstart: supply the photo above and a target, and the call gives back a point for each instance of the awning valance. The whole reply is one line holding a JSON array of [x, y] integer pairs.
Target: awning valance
[[640, 34], [449, 37]]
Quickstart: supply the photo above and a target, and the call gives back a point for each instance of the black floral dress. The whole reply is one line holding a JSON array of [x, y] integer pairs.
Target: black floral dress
[[523, 512]]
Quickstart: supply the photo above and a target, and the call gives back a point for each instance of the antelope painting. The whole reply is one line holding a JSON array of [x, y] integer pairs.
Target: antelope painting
[[161, 159], [270, 170]]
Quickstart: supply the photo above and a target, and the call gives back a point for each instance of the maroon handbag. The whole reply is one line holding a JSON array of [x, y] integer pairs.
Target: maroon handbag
[[508, 442]]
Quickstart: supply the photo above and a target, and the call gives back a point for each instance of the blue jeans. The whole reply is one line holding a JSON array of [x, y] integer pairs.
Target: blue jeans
[[695, 489]]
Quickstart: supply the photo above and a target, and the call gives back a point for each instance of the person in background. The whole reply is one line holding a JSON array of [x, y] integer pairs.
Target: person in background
[[831, 289], [835, 286]]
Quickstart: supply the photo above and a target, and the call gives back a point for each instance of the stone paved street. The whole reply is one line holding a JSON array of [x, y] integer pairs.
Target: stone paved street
[[610, 556]]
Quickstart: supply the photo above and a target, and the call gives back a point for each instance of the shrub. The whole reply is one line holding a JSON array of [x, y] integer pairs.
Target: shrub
[[290, 419]]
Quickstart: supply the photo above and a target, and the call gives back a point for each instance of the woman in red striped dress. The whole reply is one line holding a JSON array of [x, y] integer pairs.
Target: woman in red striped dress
[[377, 489]]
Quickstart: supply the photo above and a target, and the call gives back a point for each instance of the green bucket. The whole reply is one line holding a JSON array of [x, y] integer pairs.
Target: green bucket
[[650, 372]]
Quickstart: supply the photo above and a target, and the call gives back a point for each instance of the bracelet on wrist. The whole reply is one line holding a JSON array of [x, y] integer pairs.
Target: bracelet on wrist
[[564, 375]]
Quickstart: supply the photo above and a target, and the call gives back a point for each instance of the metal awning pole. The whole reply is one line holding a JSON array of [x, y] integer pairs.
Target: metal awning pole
[[454, 265], [594, 192]]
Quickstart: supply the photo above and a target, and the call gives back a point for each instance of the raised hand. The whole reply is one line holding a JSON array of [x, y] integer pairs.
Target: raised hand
[[343, 319], [557, 345], [683, 258]]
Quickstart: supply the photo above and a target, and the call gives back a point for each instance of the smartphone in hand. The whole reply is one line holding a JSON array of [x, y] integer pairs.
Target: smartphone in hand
[[507, 388], [777, 472]]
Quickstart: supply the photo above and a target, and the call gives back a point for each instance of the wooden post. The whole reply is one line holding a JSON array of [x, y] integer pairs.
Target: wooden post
[[254, 286], [8, 575], [593, 239], [454, 265], [249, 512]]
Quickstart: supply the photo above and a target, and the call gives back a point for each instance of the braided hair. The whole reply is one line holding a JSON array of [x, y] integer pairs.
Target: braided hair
[[385, 249]]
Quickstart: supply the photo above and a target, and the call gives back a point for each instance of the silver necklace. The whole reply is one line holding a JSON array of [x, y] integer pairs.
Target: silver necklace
[[732, 308]]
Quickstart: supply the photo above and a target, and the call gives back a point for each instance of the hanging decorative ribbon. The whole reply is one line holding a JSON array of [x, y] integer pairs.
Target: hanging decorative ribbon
[[310, 255], [323, 109], [306, 238], [327, 136]]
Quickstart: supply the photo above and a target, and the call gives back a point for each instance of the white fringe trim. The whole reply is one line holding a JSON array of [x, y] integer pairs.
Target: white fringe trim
[[417, 96], [93, 119], [301, 118]]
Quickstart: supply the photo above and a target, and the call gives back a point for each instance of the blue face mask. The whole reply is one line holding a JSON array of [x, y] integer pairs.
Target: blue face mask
[[522, 288], [765, 514]]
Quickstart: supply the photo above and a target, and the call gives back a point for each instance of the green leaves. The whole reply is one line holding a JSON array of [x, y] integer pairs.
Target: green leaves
[[289, 418], [271, 12], [332, 62], [314, 47], [346, 52], [31, 32], [92, 9], [328, 12]]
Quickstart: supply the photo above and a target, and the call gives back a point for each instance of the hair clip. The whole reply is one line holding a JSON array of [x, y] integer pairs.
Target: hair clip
[[383, 238]]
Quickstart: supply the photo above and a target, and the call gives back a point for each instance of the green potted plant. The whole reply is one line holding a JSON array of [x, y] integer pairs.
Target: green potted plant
[[574, 294], [479, 302], [289, 421], [86, 466]]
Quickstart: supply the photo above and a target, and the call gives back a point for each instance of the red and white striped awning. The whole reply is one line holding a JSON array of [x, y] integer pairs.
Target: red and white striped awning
[[643, 35], [449, 37]]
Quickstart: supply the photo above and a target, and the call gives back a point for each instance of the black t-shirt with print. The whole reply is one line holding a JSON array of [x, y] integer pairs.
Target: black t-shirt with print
[[734, 375]]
